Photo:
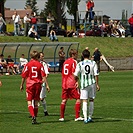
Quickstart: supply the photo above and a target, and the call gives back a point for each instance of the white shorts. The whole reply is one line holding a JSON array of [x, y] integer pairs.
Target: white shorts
[[88, 92], [43, 91]]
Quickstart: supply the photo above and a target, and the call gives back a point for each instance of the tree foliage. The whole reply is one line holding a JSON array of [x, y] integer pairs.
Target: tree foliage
[[72, 6], [56, 7], [32, 4]]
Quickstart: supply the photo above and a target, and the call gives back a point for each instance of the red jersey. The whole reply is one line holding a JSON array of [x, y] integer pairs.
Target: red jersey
[[33, 71], [68, 80], [130, 21], [90, 4]]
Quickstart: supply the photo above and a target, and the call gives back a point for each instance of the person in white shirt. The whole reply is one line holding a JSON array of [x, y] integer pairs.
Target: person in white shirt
[[23, 61], [32, 33], [88, 71], [26, 24], [2, 21], [16, 20]]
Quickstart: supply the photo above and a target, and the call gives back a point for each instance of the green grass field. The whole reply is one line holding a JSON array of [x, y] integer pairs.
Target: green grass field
[[113, 111], [109, 46]]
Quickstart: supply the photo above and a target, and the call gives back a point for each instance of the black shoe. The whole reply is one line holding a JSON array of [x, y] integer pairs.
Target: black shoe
[[30, 116], [34, 120], [46, 113]]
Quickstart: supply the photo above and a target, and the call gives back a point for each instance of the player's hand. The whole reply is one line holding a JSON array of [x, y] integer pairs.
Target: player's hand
[[21, 88], [48, 89], [77, 84], [98, 87], [0, 83]]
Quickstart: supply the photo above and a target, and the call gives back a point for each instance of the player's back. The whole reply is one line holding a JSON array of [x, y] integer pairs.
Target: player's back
[[68, 80], [88, 70], [34, 71]]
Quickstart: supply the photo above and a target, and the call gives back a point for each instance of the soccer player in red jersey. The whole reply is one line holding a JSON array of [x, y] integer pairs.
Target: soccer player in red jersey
[[34, 75], [69, 85]]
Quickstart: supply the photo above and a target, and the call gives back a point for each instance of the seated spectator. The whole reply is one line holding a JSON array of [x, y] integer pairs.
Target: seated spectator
[[33, 33], [23, 61], [53, 36], [70, 33], [121, 29], [11, 65], [2, 63]]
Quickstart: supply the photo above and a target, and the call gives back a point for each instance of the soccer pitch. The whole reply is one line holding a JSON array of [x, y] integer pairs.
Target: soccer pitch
[[113, 112]]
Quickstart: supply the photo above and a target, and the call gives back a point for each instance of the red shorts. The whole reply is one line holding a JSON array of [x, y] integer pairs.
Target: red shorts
[[11, 64], [70, 93], [33, 92]]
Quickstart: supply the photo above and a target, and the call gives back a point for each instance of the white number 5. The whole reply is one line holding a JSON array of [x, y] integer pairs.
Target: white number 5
[[34, 72]]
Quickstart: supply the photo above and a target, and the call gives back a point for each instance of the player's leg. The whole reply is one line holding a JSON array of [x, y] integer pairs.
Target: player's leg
[[92, 94], [91, 109], [84, 108], [36, 89], [76, 95], [42, 99], [62, 109], [44, 104], [63, 103], [84, 97], [77, 109]]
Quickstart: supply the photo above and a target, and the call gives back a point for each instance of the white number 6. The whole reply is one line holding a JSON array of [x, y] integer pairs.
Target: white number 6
[[66, 69]]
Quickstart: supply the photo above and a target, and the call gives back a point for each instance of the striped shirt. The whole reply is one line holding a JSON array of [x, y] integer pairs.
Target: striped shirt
[[87, 69]]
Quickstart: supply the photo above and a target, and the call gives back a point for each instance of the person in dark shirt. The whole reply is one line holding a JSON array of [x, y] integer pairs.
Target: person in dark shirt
[[61, 54], [97, 57]]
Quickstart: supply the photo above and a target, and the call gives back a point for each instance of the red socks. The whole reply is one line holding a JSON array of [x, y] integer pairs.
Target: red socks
[[77, 110], [31, 110], [62, 110]]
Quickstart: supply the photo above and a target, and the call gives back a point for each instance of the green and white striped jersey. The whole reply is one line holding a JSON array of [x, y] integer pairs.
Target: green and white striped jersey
[[87, 69]]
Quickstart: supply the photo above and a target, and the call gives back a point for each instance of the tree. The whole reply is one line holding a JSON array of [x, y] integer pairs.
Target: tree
[[32, 5], [124, 16], [56, 7], [72, 6], [2, 11]]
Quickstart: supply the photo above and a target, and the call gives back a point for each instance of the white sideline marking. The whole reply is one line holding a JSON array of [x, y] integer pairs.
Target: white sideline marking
[[102, 118]]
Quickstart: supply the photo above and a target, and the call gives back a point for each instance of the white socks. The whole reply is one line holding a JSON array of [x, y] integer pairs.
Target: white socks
[[44, 105], [85, 110], [91, 108]]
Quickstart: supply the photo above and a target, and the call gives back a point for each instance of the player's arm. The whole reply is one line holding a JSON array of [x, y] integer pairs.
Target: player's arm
[[22, 84], [98, 87], [44, 79], [0, 83]]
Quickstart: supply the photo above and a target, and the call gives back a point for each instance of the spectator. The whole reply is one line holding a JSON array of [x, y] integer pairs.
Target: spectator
[[33, 33], [97, 57], [121, 29], [130, 21], [89, 6], [26, 24], [3, 63], [11, 65], [2, 21], [33, 20], [23, 61], [53, 36], [50, 20], [61, 54], [16, 20], [82, 58]]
